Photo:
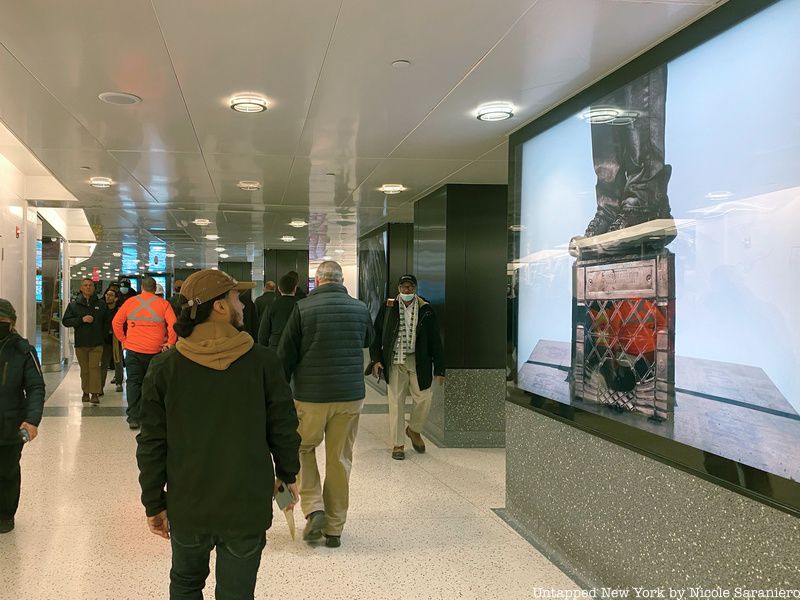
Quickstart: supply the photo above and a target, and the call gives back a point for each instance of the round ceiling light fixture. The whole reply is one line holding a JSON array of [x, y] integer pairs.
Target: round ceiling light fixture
[[401, 63], [327, 257], [212, 237], [121, 98], [298, 223], [223, 256], [495, 111], [392, 188], [339, 251], [170, 255], [219, 249], [101, 183], [288, 238], [249, 103], [202, 222], [86, 168], [116, 254], [249, 186]]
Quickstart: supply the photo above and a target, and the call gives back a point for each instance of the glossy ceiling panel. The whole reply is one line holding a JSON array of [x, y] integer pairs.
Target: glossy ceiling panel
[[328, 182], [272, 172], [170, 177], [223, 48], [363, 106], [93, 47], [558, 48]]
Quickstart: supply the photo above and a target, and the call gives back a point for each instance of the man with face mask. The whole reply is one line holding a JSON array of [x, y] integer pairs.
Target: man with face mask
[[149, 321], [126, 290], [216, 414], [407, 352], [21, 404]]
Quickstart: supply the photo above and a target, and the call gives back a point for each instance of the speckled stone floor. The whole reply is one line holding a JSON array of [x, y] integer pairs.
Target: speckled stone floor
[[417, 529]]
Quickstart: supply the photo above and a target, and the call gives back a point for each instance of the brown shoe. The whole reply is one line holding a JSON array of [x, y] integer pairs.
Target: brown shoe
[[85, 398], [94, 399], [398, 453], [416, 440]]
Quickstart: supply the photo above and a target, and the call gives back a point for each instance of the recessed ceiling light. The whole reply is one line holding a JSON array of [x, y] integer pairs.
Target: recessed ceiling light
[[401, 64], [223, 256], [339, 251], [219, 249], [201, 222], [106, 264], [392, 188], [326, 257], [85, 168], [119, 98], [495, 111], [288, 238], [170, 255], [298, 223], [212, 236], [117, 254], [249, 103], [101, 182], [189, 264], [249, 186]]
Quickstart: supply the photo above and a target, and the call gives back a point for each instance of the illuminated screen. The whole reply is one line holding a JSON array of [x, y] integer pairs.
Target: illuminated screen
[[659, 252]]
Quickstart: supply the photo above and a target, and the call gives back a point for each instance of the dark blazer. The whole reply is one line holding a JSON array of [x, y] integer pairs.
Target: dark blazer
[[323, 343], [429, 354], [21, 388], [274, 320], [264, 302]]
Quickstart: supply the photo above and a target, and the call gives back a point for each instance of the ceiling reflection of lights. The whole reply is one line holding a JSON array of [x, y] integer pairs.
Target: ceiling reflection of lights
[[201, 222], [249, 103], [219, 249], [212, 236], [224, 256], [288, 238], [170, 255], [101, 182], [495, 111], [600, 115], [392, 188], [298, 223], [189, 264], [719, 195], [249, 186]]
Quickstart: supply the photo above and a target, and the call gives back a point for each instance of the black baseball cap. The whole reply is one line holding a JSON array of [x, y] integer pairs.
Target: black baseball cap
[[407, 278]]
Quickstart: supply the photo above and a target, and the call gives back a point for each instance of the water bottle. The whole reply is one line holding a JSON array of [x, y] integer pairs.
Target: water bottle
[[24, 435]]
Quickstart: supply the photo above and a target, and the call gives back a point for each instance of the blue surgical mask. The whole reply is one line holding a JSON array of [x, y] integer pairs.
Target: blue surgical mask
[[124, 290], [407, 297]]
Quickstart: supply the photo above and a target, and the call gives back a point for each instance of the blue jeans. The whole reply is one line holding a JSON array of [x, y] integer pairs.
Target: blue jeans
[[238, 559], [136, 366]]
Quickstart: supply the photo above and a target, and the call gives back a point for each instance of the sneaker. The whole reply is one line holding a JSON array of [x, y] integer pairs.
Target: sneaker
[[119, 387], [133, 425], [6, 525], [85, 398], [314, 525], [94, 399], [333, 541]]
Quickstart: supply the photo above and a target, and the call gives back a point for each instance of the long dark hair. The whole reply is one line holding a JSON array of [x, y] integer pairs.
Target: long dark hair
[[185, 324]]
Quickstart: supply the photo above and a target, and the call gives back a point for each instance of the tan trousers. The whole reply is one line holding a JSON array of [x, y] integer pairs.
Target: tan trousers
[[337, 424], [90, 360], [404, 378]]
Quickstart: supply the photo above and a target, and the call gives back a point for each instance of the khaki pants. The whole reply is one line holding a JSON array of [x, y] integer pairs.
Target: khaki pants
[[337, 423], [89, 360], [404, 378]]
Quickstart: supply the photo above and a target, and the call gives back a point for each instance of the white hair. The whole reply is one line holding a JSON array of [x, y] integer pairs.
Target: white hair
[[331, 271]]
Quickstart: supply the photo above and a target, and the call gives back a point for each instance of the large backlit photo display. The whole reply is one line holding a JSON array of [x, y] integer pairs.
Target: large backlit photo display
[[657, 253]]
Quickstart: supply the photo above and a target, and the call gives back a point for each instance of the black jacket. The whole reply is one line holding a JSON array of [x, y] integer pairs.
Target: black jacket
[[429, 355], [264, 302], [87, 335], [274, 320], [21, 388], [108, 339], [322, 346], [211, 437]]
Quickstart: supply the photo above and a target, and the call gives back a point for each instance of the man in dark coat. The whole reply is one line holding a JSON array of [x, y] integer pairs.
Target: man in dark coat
[[88, 316], [277, 315], [126, 290], [265, 300], [407, 351], [216, 413], [21, 405], [322, 348]]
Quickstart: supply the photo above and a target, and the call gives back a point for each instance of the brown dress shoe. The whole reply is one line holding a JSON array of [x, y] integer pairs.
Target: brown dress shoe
[[398, 453], [94, 398], [416, 440], [85, 398]]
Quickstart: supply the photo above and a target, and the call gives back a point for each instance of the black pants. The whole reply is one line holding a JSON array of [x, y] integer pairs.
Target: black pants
[[10, 480], [238, 559], [137, 368]]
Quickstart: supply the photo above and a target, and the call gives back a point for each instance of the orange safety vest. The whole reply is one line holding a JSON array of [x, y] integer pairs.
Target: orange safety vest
[[150, 320]]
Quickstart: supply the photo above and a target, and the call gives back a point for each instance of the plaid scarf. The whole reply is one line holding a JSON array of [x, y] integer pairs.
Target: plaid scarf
[[407, 332]]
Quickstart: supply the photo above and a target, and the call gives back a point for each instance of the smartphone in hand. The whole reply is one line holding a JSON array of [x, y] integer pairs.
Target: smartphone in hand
[[284, 497]]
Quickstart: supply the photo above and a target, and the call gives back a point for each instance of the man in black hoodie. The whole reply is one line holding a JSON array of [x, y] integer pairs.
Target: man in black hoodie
[[21, 404], [216, 411], [88, 315]]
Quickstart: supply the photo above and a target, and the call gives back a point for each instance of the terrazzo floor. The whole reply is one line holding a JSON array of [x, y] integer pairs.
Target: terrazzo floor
[[417, 529]]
